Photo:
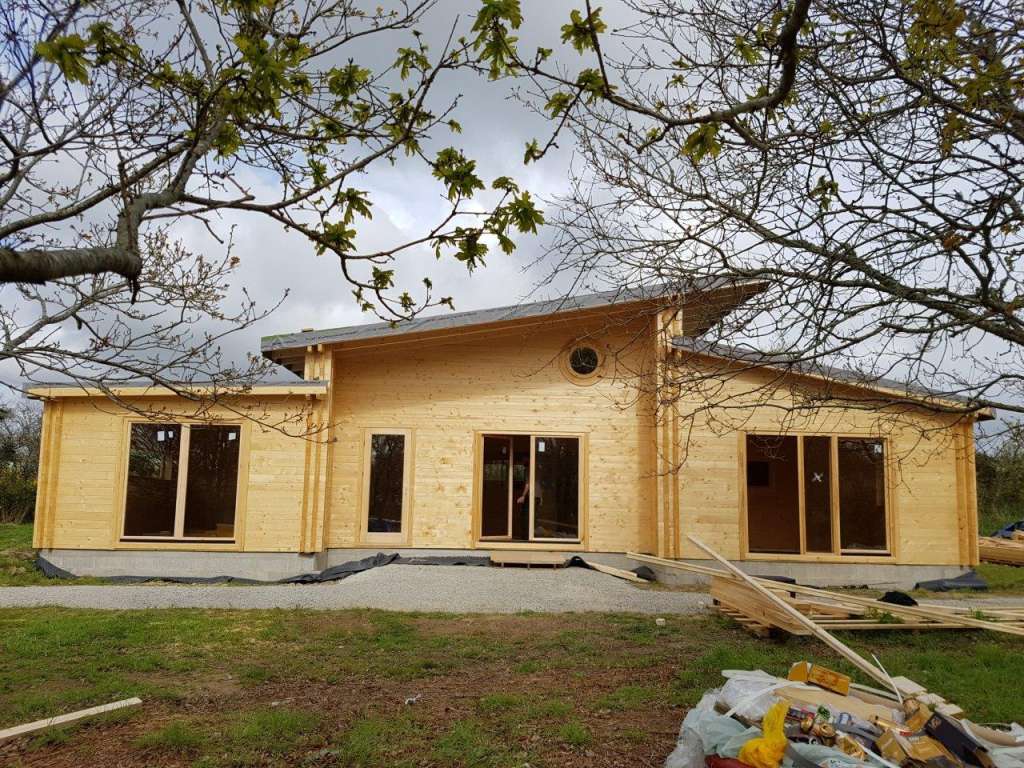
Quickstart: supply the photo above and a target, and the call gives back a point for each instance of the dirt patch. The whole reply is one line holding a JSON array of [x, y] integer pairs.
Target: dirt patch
[[532, 677]]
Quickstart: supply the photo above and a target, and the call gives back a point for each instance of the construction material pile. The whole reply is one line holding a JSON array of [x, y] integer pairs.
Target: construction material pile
[[818, 718], [1005, 547]]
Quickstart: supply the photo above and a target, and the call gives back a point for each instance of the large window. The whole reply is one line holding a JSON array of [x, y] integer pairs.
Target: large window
[[182, 481], [386, 483], [530, 488], [816, 494]]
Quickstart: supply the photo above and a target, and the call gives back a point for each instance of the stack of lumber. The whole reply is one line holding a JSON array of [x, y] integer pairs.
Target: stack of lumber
[[765, 607], [1003, 551], [761, 617]]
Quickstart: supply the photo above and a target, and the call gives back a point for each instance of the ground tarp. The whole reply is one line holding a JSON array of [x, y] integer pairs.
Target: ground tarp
[[334, 573]]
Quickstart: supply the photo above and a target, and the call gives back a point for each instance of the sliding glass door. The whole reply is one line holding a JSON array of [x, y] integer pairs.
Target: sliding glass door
[[530, 488], [556, 488]]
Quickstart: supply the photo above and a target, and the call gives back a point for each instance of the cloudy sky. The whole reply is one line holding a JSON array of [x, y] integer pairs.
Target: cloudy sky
[[407, 201]]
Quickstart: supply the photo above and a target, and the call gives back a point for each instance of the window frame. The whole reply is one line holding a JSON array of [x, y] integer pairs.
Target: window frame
[[838, 554], [179, 538], [583, 500], [402, 537]]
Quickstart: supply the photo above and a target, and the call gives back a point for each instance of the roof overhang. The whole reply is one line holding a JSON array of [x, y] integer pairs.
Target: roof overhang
[[722, 296], [298, 388], [745, 359]]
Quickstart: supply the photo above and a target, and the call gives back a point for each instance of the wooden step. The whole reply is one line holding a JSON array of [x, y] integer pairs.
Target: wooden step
[[528, 558]]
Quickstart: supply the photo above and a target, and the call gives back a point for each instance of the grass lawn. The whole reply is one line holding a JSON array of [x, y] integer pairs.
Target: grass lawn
[[301, 688], [17, 566]]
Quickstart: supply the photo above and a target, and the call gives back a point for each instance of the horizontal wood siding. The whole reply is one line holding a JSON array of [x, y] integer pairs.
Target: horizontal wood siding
[[87, 498], [927, 513], [448, 392]]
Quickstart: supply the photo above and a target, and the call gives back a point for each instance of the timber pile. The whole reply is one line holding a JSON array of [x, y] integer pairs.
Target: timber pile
[[764, 607], [760, 617], [1002, 551]]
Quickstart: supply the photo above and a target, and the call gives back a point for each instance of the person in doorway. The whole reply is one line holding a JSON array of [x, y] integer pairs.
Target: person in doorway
[[523, 501]]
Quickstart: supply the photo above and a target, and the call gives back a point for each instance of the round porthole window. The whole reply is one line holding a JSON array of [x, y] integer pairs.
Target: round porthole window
[[583, 360]]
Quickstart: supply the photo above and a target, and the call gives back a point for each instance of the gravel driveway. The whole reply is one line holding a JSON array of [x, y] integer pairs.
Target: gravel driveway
[[440, 588]]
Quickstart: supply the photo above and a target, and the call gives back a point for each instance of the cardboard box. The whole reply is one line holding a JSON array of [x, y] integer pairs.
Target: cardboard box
[[953, 737], [915, 750], [805, 672], [917, 714]]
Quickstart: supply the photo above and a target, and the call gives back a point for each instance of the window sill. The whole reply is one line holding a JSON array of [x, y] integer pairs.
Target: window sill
[[214, 545], [574, 545], [881, 557]]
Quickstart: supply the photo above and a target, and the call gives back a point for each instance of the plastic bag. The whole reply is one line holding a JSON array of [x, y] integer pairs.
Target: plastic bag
[[768, 750], [750, 694], [705, 732]]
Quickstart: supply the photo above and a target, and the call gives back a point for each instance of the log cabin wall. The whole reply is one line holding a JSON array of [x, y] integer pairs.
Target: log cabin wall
[[84, 458], [448, 392], [930, 481]]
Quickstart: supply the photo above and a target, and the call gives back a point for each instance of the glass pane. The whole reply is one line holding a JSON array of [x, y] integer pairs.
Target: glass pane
[[152, 480], [773, 502], [862, 494], [387, 466], [556, 484], [818, 493], [496, 495], [212, 482]]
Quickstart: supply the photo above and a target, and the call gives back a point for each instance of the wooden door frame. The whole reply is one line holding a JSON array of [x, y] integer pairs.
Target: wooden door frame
[[583, 512], [511, 468], [838, 555]]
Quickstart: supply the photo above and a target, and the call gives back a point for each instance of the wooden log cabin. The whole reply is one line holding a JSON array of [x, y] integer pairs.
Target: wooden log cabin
[[535, 427]]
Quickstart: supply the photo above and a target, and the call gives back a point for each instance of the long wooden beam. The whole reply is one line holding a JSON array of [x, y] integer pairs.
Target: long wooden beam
[[936, 614], [835, 644], [71, 717]]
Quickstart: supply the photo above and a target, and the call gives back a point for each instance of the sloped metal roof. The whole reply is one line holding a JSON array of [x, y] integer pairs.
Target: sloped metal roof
[[285, 341], [757, 359]]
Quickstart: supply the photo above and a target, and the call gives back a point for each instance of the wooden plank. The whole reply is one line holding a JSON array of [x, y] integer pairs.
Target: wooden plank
[[72, 717], [1003, 551], [740, 598], [618, 572], [838, 646], [904, 611], [527, 558]]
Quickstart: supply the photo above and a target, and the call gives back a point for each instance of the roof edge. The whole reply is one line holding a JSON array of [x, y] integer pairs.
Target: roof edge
[[844, 376], [531, 310], [66, 390]]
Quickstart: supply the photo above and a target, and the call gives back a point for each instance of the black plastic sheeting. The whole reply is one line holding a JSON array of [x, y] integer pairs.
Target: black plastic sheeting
[[1006, 532], [334, 573], [969, 580], [895, 597]]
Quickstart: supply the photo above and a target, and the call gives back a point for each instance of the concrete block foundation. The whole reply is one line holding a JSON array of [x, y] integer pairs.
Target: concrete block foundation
[[270, 566]]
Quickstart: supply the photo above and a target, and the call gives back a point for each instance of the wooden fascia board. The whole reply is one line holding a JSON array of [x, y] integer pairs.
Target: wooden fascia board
[[626, 310], [955, 408], [272, 390]]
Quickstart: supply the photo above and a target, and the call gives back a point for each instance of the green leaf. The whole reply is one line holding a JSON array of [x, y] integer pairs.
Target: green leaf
[[558, 103], [457, 172], [702, 142], [497, 48], [227, 141], [746, 51], [533, 152], [345, 81], [68, 53], [580, 31]]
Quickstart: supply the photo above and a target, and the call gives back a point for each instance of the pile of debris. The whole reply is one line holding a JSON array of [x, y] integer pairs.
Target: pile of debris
[[818, 718], [765, 607], [1005, 546]]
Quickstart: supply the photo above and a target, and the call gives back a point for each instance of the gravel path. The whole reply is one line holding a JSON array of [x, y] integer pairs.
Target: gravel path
[[441, 588]]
